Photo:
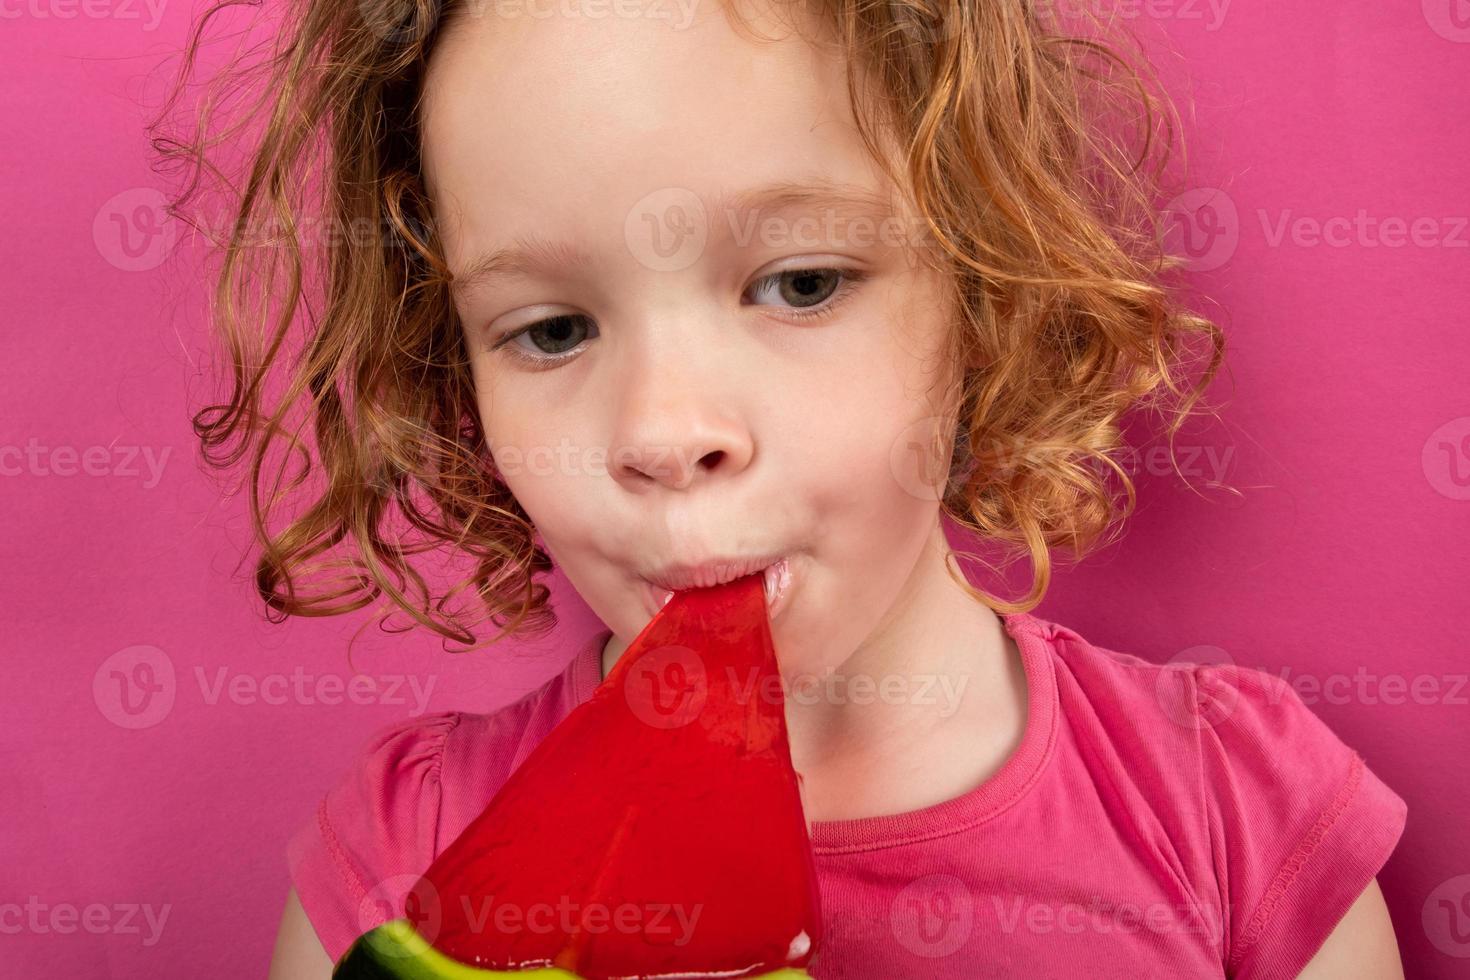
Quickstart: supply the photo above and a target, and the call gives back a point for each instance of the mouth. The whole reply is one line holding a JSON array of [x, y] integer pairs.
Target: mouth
[[777, 576]]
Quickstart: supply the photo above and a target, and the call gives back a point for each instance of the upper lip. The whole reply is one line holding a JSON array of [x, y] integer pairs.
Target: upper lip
[[716, 571]]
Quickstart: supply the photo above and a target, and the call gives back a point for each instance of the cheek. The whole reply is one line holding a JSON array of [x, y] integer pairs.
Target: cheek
[[877, 466], [545, 464], [864, 450]]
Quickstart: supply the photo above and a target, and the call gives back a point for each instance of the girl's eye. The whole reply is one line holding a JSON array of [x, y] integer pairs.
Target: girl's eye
[[809, 289], [560, 333], [814, 293]]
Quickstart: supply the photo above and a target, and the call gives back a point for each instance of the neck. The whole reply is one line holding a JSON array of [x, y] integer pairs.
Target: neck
[[947, 662]]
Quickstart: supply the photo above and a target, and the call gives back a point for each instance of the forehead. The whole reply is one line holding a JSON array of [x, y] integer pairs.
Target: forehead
[[556, 127]]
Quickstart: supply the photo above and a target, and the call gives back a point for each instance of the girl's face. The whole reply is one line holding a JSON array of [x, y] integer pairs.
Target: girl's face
[[733, 350]]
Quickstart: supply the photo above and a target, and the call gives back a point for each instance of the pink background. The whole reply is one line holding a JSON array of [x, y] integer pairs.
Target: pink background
[[1348, 427]]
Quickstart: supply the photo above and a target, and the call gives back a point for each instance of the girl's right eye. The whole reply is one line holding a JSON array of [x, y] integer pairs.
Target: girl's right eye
[[562, 333]]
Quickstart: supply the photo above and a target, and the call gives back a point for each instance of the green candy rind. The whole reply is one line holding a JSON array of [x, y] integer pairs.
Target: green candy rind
[[395, 951]]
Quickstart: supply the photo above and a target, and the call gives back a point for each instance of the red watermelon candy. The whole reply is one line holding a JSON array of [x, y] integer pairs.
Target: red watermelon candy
[[656, 831]]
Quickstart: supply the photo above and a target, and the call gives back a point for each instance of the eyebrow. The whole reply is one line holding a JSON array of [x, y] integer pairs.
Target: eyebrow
[[532, 253]]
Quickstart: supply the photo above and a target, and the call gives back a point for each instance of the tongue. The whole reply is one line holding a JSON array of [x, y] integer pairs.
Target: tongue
[[657, 830]]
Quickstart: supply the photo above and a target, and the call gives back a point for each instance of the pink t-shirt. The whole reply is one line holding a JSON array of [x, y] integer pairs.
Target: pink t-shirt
[[1179, 820]]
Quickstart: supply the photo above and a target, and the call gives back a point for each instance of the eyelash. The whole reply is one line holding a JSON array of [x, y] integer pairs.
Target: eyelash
[[851, 279]]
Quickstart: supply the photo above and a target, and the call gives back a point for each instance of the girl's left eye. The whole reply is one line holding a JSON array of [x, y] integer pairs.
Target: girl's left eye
[[816, 293], [810, 289]]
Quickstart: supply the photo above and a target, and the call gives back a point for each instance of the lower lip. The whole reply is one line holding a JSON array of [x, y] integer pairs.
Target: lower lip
[[781, 574]]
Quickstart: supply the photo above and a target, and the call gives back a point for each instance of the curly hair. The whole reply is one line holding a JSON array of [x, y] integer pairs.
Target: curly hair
[[1034, 148]]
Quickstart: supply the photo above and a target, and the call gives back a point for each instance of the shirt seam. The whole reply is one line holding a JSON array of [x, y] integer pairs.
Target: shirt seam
[[1201, 794], [342, 864], [436, 771], [1046, 633], [1291, 868], [977, 820]]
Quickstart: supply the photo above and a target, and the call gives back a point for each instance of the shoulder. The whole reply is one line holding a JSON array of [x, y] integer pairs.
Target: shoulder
[[1199, 703], [361, 849], [409, 789], [1300, 822], [1287, 821], [1118, 694]]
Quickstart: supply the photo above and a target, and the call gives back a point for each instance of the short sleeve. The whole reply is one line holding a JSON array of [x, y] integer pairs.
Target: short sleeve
[[373, 833], [1299, 824]]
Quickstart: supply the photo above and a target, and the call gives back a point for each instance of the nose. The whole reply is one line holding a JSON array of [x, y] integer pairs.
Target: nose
[[680, 421]]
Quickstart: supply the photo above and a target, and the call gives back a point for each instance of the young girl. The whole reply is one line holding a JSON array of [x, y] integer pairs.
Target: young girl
[[663, 296]]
